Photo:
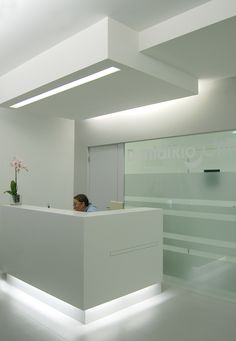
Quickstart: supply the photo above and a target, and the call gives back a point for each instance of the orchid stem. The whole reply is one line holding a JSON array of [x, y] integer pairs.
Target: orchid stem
[[16, 178]]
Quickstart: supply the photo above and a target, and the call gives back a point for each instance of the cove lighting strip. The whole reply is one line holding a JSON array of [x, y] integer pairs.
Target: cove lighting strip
[[67, 86], [41, 300]]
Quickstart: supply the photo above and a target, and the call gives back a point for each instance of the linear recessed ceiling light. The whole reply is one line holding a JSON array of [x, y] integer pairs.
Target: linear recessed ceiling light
[[67, 86]]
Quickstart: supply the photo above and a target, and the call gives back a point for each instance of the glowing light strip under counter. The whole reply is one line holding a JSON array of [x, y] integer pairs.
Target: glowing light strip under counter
[[38, 298]]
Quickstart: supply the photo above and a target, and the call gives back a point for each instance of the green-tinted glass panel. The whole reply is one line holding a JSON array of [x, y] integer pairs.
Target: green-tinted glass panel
[[193, 178]]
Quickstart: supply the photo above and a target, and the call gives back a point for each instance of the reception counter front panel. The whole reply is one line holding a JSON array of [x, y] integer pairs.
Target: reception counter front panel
[[84, 259]]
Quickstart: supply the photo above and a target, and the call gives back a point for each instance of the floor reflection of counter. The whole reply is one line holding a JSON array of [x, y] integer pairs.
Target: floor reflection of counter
[[82, 259]]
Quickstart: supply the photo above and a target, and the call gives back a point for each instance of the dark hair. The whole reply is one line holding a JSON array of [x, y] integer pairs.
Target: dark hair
[[82, 198]]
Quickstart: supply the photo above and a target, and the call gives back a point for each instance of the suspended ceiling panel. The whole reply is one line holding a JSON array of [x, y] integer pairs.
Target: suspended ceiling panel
[[206, 53]]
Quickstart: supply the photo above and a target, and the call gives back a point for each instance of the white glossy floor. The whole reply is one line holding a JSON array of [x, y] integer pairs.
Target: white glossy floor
[[176, 315]]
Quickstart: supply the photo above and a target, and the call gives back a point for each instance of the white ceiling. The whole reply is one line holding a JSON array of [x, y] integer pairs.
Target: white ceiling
[[107, 95], [208, 53], [28, 28]]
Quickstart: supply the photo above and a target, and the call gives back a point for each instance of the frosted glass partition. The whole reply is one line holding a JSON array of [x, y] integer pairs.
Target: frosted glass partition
[[193, 178]]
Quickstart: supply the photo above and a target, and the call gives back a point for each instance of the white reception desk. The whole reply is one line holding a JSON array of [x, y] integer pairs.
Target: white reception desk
[[84, 259]]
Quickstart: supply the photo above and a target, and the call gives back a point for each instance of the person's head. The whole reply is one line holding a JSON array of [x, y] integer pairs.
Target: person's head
[[81, 202]]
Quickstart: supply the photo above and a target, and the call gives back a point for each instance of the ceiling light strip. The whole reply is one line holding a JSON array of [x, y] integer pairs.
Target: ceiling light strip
[[65, 87]]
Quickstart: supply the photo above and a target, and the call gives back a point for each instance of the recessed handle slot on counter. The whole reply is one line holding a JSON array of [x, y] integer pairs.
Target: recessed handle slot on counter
[[211, 170]]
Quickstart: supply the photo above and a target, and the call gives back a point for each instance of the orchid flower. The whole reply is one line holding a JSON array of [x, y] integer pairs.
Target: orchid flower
[[17, 165]]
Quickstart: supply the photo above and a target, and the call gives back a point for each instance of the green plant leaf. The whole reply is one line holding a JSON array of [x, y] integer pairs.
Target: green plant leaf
[[9, 192], [13, 187]]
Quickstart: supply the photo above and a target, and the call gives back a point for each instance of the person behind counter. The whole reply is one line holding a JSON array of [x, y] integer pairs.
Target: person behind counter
[[82, 204]]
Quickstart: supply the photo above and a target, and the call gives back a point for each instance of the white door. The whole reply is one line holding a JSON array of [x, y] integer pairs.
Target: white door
[[106, 174]]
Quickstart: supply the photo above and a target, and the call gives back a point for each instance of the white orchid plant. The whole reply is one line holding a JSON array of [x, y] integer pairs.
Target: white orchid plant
[[17, 165]]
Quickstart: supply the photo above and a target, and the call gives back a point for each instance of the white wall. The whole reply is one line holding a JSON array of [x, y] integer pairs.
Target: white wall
[[47, 147], [212, 110]]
